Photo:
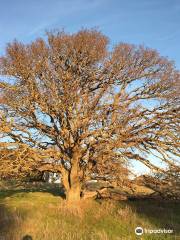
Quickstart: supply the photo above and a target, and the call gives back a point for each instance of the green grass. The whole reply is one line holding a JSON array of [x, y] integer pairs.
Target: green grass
[[42, 214]]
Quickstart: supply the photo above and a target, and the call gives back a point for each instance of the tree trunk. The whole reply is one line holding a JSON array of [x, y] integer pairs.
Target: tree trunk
[[73, 193], [73, 187]]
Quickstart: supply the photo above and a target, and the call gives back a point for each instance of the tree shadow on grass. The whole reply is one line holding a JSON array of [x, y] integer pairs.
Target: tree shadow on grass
[[7, 222], [161, 214], [54, 189]]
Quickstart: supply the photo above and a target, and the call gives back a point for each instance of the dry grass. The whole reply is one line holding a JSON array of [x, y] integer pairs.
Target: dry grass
[[47, 217]]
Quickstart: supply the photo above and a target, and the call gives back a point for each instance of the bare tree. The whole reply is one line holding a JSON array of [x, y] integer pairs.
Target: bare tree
[[70, 104]]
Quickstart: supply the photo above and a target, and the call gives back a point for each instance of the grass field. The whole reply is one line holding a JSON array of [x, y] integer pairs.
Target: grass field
[[40, 213]]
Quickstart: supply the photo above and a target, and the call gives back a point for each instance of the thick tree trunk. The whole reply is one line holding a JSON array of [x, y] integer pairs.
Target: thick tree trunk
[[73, 186], [73, 193]]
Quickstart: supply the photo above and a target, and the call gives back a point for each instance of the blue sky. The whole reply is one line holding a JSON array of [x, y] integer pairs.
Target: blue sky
[[155, 23]]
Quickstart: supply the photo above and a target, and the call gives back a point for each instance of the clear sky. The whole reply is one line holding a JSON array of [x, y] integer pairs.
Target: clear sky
[[155, 23]]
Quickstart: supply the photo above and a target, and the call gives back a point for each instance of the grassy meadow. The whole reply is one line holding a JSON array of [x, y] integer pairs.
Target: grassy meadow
[[41, 213]]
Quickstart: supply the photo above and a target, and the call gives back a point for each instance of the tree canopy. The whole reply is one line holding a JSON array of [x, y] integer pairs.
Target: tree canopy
[[70, 103]]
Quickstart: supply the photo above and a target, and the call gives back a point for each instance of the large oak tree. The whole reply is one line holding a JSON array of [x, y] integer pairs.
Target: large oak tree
[[69, 103]]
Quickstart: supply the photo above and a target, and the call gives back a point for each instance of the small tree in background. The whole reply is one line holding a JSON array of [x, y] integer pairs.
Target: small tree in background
[[70, 104]]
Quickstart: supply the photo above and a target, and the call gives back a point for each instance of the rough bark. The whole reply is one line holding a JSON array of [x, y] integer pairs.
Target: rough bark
[[73, 185], [73, 193]]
